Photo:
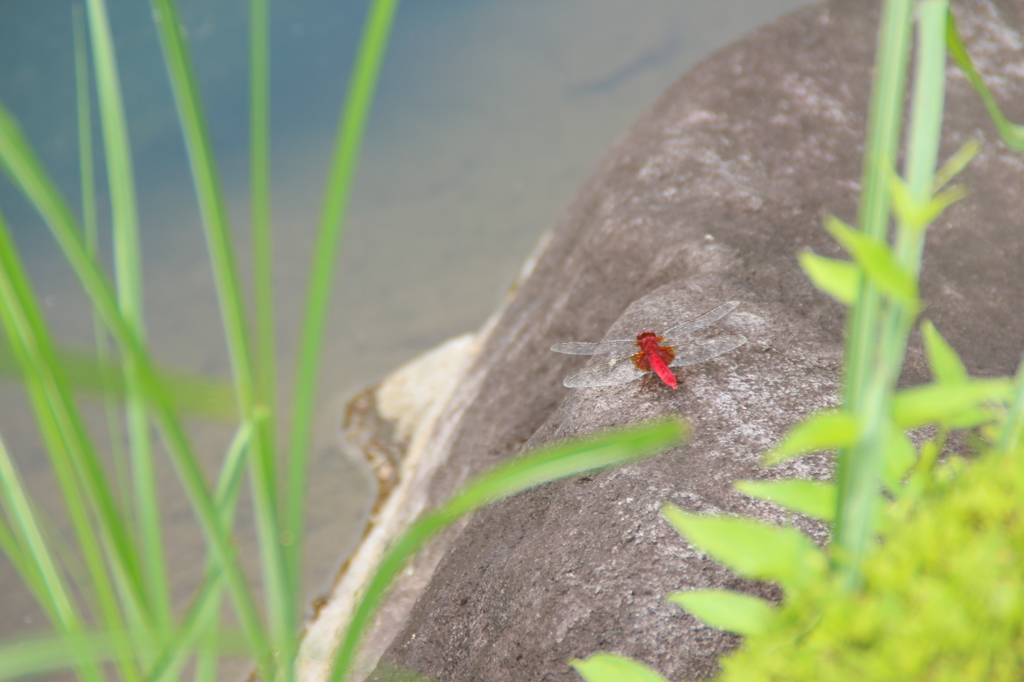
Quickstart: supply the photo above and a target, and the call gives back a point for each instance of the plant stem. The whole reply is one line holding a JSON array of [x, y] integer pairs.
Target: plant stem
[[351, 130], [857, 468]]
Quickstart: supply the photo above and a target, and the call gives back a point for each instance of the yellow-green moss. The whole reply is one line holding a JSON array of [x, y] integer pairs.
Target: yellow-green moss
[[943, 595]]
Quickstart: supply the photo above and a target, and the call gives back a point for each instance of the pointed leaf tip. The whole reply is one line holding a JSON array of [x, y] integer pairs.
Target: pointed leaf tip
[[750, 548], [825, 430], [811, 498], [613, 668], [877, 260], [840, 279], [944, 362], [727, 610]]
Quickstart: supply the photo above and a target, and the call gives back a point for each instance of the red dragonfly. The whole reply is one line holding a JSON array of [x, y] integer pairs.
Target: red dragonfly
[[650, 352]]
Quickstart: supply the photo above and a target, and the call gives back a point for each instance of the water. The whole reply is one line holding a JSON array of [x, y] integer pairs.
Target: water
[[489, 116]]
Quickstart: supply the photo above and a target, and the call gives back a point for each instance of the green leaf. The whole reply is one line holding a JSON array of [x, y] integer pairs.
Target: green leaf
[[840, 279], [943, 360], [877, 260], [822, 431], [811, 498], [726, 610], [918, 215], [900, 456], [613, 668], [750, 548], [974, 417], [908, 211], [956, 163], [946, 198], [555, 462], [1012, 135], [942, 403]]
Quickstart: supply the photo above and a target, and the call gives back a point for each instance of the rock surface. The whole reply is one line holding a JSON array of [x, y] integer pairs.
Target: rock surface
[[709, 197]]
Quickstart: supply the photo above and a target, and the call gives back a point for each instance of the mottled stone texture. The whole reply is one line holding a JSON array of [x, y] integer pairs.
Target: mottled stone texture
[[709, 197]]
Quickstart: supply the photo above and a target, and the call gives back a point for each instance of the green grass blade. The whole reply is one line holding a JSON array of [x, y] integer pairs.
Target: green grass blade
[[73, 461], [209, 194], [24, 168], [262, 237], [33, 348], [883, 133], [128, 266], [524, 472], [39, 655], [88, 185], [121, 177], [47, 579], [85, 147], [23, 517], [351, 129], [215, 531], [880, 148], [12, 550], [204, 611], [188, 393], [280, 592], [287, 586], [929, 96]]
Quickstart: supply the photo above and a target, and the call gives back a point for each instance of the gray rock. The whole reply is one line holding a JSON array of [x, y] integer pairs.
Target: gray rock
[[709, 197]]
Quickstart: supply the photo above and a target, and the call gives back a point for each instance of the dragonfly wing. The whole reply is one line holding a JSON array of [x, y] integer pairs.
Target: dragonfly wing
[[673, 335], [626, 347], [705, 351], [604, 373]]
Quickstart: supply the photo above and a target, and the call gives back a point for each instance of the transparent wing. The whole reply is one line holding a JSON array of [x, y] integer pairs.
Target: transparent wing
[[691, 355], [604, 373], [675, 334], [626, 347]]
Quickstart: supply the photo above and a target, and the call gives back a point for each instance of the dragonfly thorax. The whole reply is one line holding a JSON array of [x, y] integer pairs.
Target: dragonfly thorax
[[650, 344]]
